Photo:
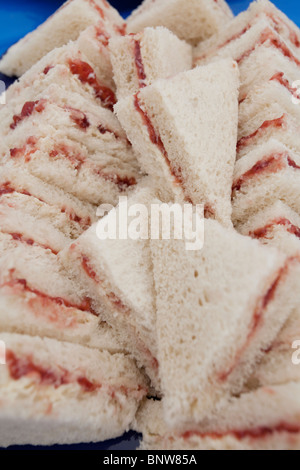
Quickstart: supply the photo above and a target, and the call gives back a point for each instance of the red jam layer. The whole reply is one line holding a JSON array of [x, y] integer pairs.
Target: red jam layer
[[258, 316], [27, 110], [272, 164], [283, 222], [254, 433], [87, 75], [274, 123], [26, 151], [102, 35], [28, 241], [279, 77], [85, 306], [97, 8], [156, 140], [78, 117], [139, 64]]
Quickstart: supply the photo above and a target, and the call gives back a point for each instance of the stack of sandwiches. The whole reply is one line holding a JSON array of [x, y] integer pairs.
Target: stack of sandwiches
[[109, 325]]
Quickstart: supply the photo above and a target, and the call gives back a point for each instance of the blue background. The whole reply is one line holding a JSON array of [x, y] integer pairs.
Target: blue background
[[17, 18]]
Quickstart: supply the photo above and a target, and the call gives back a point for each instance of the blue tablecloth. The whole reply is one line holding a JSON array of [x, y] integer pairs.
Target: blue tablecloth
[[17, 18]]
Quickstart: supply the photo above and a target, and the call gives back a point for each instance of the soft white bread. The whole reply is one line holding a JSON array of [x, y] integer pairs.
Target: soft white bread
[[69, 69], [34, 221], [38, 298], [19, 181], [277, 92], [172, 127], [240, 35], [264, 63], [270, 123], [191, 20], [117, 275], [217, 310], [277, 226], [268, 173], [76, 14], [267, 419], [141, 59], [59, 393]]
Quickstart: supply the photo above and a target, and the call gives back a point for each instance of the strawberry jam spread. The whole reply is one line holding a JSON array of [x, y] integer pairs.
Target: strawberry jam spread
[[156, 140], [78, 117], [97, 8], [101, 35], [67, 152], [254, 433], [139, 64], [258, 316], [47, 69], [283, 222], [272, 164], [26, 151], [28, 241], [279, 77], [87, 75], [274, 123], [27, 110]]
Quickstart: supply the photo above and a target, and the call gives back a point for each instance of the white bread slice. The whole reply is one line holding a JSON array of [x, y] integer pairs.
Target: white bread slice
[[38, 298], [271, 122], [172, 127], [76, 14], [60, 393], [265, 62], [277, 226], [268, 173], [191, 20], [267, 419], [217, 310], [33, 221], [241, 34], [19, 181], [276, 92], [138, 60], [117, 276], [68, 68]]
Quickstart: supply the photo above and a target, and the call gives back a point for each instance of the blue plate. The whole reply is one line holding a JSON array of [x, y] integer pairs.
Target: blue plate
[[17, 19]]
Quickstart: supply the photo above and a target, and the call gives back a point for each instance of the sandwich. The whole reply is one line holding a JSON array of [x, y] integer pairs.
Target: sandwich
[[191, 20], [55, 392], [277, 226], [269, 172], [218, 309], [71, 143], [117, 275], [77, 14], [261, 23], [17, 181], [144, 57], [265, 419], [172, 127], [38, 299]]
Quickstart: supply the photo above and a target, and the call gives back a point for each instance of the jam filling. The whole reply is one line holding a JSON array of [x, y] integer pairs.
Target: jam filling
[[26, 151], [78, 117], [264, 231], [87, 75], [279, 77], [47, 69], [139, 64], [63, 150], [258, 316], [101, 35], [122, 30], [254, 433], [271, 164], [27, 110], [274, 123], [97, 8], [28, 241], [85, 306], [123, 182], [156, 140]]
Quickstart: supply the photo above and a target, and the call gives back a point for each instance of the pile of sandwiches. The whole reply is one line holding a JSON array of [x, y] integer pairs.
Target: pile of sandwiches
[[182, 103]]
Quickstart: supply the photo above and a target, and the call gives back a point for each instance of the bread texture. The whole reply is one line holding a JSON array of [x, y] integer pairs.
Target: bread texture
[[77, 14], [266, 419], [141, 59], [192, 20], [231, 298], [172, 127], [44, 381]]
